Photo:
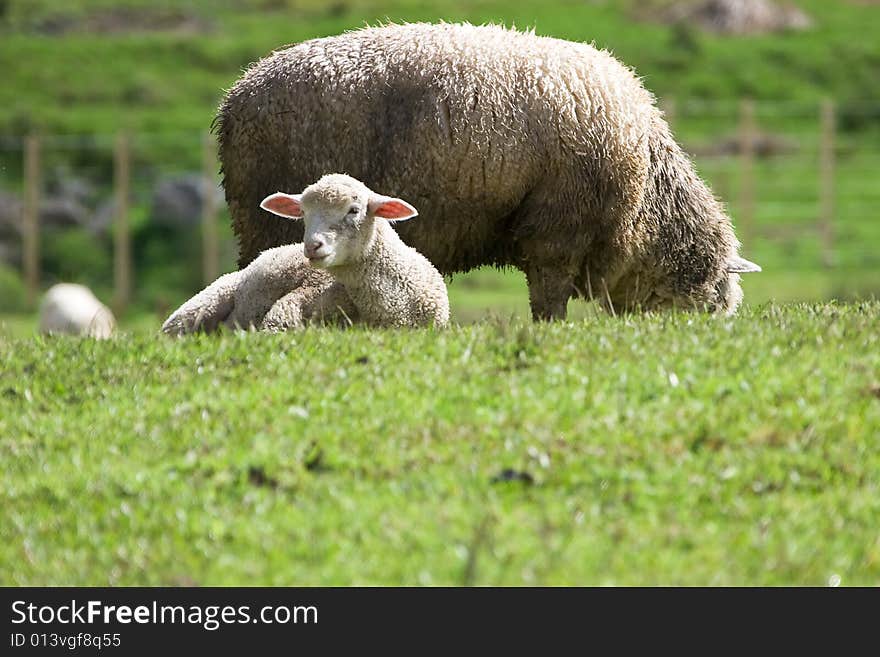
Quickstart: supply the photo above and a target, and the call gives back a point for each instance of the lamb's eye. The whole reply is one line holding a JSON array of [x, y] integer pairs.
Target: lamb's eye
[[353, 210]]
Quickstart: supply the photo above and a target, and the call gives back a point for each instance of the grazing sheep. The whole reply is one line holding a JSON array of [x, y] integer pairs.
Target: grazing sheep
[[276, 292], [74, 310], [348, 234], [519, 150]]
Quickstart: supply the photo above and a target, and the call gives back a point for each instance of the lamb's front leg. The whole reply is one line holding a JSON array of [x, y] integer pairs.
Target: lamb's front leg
[[206, 310], [286, 313], [319, 302], [332, 306]]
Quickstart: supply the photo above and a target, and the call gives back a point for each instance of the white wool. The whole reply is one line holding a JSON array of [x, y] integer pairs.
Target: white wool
[[245, 299], [518, 150], [74, 310], [390, 283], [386, 284]]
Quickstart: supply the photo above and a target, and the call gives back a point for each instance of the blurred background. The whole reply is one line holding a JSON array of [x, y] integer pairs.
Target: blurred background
[[108, 172]]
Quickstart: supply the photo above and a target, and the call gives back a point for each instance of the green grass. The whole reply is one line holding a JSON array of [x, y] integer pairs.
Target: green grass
[[671, 449], [161, 79]]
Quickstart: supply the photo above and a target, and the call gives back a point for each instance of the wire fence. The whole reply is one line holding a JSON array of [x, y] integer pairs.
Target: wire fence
[[140, 216], [799, 179], [137, 216]]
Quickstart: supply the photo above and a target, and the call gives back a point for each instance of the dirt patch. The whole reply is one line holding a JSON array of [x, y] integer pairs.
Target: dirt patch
[[763, 145], [737, 17], [125, 20]]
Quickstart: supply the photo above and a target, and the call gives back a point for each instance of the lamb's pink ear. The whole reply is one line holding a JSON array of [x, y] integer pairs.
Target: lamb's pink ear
[[393, 209], [284, 205]]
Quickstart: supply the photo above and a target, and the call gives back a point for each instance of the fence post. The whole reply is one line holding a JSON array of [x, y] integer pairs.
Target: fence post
[[210, 241], [121, 234], [30, 225], [747, 132], [826, 182]]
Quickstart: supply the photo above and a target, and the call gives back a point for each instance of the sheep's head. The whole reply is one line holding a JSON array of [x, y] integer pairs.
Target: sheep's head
[[340, 215]]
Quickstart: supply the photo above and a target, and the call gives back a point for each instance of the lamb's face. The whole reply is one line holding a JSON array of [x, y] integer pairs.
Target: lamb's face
[[340, 215], [338, 226]]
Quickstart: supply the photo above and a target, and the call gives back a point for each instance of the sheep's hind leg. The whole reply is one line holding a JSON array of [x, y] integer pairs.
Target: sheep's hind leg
[[550, 289]]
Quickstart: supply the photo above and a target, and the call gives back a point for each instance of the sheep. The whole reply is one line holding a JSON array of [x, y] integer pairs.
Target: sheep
[[353, 266], [348, 234], [519, 150], [68, 308], [276, 292]]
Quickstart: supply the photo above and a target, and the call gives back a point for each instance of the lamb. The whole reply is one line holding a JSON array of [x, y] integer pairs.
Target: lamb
[[352, 266], [278, 291], [68, 308], [519, 150], [348, 234]]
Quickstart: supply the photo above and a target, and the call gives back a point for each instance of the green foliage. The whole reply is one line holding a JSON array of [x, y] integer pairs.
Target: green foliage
[[167, 260], [76, 255], [669, 449], [12, 292]]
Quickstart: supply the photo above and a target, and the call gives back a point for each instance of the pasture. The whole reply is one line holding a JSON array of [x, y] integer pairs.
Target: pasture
[[667, 449], [637, 450]]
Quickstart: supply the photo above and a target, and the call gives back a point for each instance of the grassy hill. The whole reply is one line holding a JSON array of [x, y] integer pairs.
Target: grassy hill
[[672, 449], [95, 65]]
